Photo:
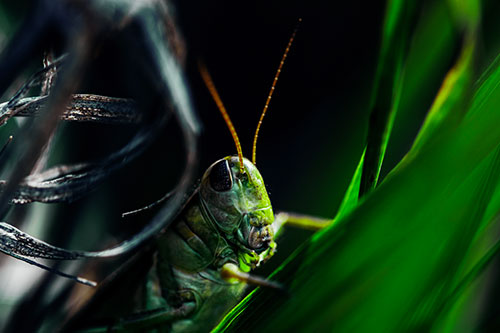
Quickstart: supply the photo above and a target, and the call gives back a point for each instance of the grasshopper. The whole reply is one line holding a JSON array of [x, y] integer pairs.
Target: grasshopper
[[203, 260]]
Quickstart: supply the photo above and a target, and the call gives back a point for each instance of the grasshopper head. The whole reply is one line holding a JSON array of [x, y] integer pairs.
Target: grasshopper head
[[233, 192], [239, 205]]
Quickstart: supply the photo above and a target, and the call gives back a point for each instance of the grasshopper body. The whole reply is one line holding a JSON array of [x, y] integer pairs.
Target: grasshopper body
[[227, 225], [228, 221]]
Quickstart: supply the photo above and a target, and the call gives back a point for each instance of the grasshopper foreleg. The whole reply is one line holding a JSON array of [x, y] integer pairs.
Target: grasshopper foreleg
[[299, 220]]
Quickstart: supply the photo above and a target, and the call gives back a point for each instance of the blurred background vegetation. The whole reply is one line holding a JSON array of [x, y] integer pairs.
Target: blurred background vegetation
[[310, 144]]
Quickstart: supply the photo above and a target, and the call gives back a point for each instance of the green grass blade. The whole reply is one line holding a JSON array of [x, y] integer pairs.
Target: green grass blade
[[448, 107], [431, 54], [385, 97], [452, 99], [351, 196], [386, 92]]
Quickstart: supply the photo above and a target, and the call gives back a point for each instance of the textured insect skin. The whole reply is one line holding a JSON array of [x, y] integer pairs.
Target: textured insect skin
[[234, 225], [229, 220]]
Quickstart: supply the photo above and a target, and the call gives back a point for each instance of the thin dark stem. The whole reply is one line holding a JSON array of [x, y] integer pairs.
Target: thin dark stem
[[41, 131]]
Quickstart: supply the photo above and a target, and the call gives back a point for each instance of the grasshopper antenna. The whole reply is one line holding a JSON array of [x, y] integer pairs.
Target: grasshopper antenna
[[211, 88], [273, 86]]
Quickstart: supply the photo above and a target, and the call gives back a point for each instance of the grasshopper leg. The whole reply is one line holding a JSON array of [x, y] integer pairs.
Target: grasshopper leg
[[300, 221]]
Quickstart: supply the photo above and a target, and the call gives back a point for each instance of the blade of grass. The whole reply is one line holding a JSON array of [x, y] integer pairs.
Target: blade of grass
[[463, 303], [387, 89], [448, 107], [385, 97], [451, 100], [432, 52], [352, 194]]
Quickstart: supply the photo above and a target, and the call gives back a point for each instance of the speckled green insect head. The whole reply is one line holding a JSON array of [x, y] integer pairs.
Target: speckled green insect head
[[238, 204]]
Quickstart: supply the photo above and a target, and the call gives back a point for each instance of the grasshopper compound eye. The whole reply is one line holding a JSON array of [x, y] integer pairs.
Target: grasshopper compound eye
[[220, 176]]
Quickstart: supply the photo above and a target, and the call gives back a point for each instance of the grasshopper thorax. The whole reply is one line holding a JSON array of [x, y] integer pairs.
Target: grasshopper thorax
[[238, 204]]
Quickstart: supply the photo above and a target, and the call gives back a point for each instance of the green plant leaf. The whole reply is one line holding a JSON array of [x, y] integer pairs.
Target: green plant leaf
[[387, 89], [352, 194], [448, 107], [385, 97], [451, 101]]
